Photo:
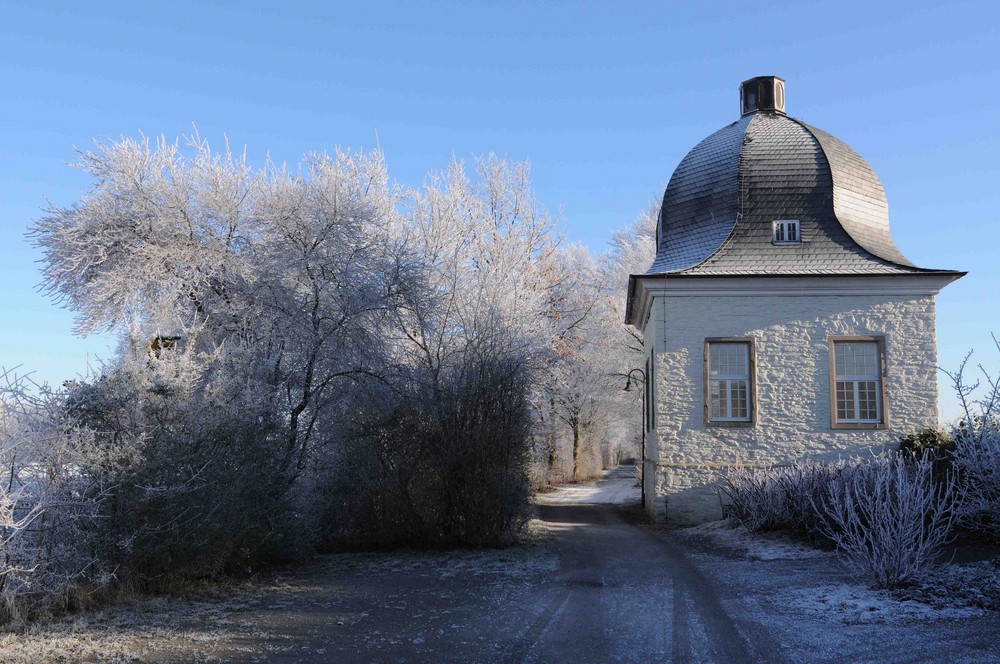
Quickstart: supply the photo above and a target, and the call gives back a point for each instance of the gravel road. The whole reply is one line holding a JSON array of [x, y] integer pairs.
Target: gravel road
[[598, 590], [588, 587], [624, 594]]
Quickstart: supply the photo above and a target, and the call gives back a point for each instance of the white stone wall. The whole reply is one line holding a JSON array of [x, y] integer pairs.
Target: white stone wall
[[793, 384]]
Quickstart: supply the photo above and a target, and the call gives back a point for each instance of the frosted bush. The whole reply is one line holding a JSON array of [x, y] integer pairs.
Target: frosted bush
[[448, 470], [779, 497], [976, 453], [48, 505], [977, 460], [756, 498], [889, 517]]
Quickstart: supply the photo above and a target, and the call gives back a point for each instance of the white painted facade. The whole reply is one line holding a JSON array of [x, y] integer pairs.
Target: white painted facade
[[790, 320]]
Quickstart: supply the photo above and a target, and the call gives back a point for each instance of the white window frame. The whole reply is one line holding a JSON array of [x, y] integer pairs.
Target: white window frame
[[730, 380], [881, 419], [786, 231]]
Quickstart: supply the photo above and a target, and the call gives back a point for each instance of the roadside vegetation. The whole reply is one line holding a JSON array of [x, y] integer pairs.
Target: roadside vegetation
[[310, 359], [892, 516], [320, 360]]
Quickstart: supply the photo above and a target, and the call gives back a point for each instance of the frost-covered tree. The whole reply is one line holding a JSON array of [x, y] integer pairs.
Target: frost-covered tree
[[633, 249], [49, 507], [295, 270], [576, 384], [487, 251], [588, 421], [442, 453], [314, 354], [252, 304]]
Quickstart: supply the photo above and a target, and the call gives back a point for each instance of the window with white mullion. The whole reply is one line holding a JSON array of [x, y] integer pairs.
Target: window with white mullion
[[857, 382], [786, 231], [728, 376]]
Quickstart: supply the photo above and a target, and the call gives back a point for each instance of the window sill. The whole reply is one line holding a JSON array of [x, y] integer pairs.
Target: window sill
[[731, 424], [859, 425]]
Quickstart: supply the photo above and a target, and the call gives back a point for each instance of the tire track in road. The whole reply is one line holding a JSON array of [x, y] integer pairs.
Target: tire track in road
[[536, 631], [680, 638], [588, 622]]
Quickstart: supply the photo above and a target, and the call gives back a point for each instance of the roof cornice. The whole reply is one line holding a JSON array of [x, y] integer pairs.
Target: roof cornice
[[643, 288]]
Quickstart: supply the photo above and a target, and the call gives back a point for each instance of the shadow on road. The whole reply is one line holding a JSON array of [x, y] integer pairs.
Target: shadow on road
[[597, 589]]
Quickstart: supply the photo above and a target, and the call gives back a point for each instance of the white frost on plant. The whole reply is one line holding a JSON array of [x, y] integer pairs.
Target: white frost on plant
[[976, 440]]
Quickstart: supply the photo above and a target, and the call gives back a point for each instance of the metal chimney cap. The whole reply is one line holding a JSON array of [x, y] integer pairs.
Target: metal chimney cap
[[762, 94]]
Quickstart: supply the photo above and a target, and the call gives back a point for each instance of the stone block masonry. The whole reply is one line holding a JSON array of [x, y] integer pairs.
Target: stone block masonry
[[793, 386]]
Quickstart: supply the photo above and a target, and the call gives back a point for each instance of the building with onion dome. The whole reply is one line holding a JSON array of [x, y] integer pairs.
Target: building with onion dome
[[779, 318]]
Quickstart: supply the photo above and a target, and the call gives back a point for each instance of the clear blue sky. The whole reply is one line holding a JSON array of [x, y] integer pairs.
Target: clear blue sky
[[604, 99]]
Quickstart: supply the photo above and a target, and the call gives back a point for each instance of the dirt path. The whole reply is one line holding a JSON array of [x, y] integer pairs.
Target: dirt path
[[600, 590], [626, 595], [589, 588]]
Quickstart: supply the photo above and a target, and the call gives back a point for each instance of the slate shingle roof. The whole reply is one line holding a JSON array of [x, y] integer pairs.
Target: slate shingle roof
[[721, 201], [702, 200]]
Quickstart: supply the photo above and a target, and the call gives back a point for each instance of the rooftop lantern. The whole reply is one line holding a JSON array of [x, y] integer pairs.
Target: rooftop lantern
[[762, 93]]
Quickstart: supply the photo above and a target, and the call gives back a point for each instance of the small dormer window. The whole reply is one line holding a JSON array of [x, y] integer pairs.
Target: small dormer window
[[786, 231]]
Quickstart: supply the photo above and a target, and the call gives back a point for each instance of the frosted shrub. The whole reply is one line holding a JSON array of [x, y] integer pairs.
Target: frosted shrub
[[977, 460], [806, 483], [756, 498], [976, 451], [15, 567], [48, 505], [889, 517], [439, 467], [195, 468], [779, 497]]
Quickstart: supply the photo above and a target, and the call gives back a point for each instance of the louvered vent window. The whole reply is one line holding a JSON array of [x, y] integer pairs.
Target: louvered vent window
[[786, 231]]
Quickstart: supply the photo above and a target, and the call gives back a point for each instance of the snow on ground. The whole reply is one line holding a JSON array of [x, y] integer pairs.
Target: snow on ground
[[617, 487], [750, 545], [263, 619], [950, 592], [816, 610], [975, 584], [854, 605]]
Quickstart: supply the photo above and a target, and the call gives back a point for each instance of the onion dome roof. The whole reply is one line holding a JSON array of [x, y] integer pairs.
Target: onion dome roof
[[722, 201]]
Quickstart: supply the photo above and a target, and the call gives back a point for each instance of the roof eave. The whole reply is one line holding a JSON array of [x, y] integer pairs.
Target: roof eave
[[917, 272], [630, 299], [641, 286]]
